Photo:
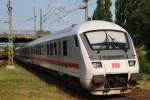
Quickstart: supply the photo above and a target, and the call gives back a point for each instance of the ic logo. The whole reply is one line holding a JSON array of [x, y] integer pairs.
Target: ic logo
[[115, 65]]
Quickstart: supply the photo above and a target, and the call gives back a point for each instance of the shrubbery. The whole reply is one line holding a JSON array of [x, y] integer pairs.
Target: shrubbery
[[144, 65], [144, 61]]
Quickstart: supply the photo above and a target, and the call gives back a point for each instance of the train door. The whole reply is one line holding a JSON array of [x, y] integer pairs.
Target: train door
[[60, 54]]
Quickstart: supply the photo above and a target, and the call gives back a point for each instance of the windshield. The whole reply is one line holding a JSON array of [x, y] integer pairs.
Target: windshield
[[107, 40]]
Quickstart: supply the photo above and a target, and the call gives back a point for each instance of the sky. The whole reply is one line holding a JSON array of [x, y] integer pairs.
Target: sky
[[23, 10]]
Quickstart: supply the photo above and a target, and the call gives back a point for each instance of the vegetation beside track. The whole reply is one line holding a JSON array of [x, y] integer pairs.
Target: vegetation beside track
[[19, 84], [144, 60], [144, 63], [145, 82]]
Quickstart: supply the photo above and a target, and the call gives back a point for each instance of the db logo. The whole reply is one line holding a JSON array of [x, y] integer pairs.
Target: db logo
[[115, 65]]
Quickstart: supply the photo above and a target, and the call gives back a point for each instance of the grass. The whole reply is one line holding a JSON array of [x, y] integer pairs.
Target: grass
[[145, 82], [145, 71], [144, 61], [19, 84]]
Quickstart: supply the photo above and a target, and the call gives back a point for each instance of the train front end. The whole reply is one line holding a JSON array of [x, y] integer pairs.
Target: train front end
[[110, 64]]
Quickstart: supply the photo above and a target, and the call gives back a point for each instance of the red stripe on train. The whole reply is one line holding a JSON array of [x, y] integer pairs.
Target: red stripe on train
[[55, 62]]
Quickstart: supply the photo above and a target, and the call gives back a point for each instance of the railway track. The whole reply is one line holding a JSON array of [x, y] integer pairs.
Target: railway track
[[78, 92]]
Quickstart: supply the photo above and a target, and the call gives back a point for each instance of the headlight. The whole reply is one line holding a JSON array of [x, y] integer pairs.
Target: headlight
[[97, 64], [132, 62]]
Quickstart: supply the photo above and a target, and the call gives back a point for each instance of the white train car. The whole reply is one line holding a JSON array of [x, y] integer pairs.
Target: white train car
[[100, 54]]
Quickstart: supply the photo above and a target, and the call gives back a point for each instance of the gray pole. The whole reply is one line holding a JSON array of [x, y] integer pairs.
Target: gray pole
[[34, 24], [86, 9], [41, 20], [10, 44]]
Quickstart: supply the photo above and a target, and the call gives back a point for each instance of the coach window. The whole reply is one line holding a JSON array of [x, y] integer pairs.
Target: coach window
[[31, 50], [55, 48], [35, 50], [27, 51], [51, 49], [40, 50], [59, 48], [47, 49], [76, 41], [64, 48]]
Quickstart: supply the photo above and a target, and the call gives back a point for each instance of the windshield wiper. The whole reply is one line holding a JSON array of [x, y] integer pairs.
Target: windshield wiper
[[116, 43], [106, 40]]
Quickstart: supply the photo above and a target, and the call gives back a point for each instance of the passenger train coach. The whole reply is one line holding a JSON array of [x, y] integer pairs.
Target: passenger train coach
[[100, 54]]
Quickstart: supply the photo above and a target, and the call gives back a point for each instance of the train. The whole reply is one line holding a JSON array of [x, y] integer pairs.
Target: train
[[99, 54]]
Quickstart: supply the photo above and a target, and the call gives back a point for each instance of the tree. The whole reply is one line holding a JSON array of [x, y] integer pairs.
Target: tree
[[120, 12], [102, 11], [138, 20], [134, 15], [124, 11]]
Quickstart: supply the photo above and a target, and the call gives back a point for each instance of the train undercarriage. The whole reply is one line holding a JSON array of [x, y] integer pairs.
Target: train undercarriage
[[114, 83]]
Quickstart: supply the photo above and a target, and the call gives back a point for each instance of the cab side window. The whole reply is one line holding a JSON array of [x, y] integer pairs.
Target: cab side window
[[76, 41]]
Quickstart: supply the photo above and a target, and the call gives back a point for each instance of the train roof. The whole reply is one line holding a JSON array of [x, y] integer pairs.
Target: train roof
[[78, 29]]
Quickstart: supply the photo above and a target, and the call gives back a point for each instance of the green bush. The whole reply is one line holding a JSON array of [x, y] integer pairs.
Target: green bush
[[143, 59], [148, 54], [144, 65]]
